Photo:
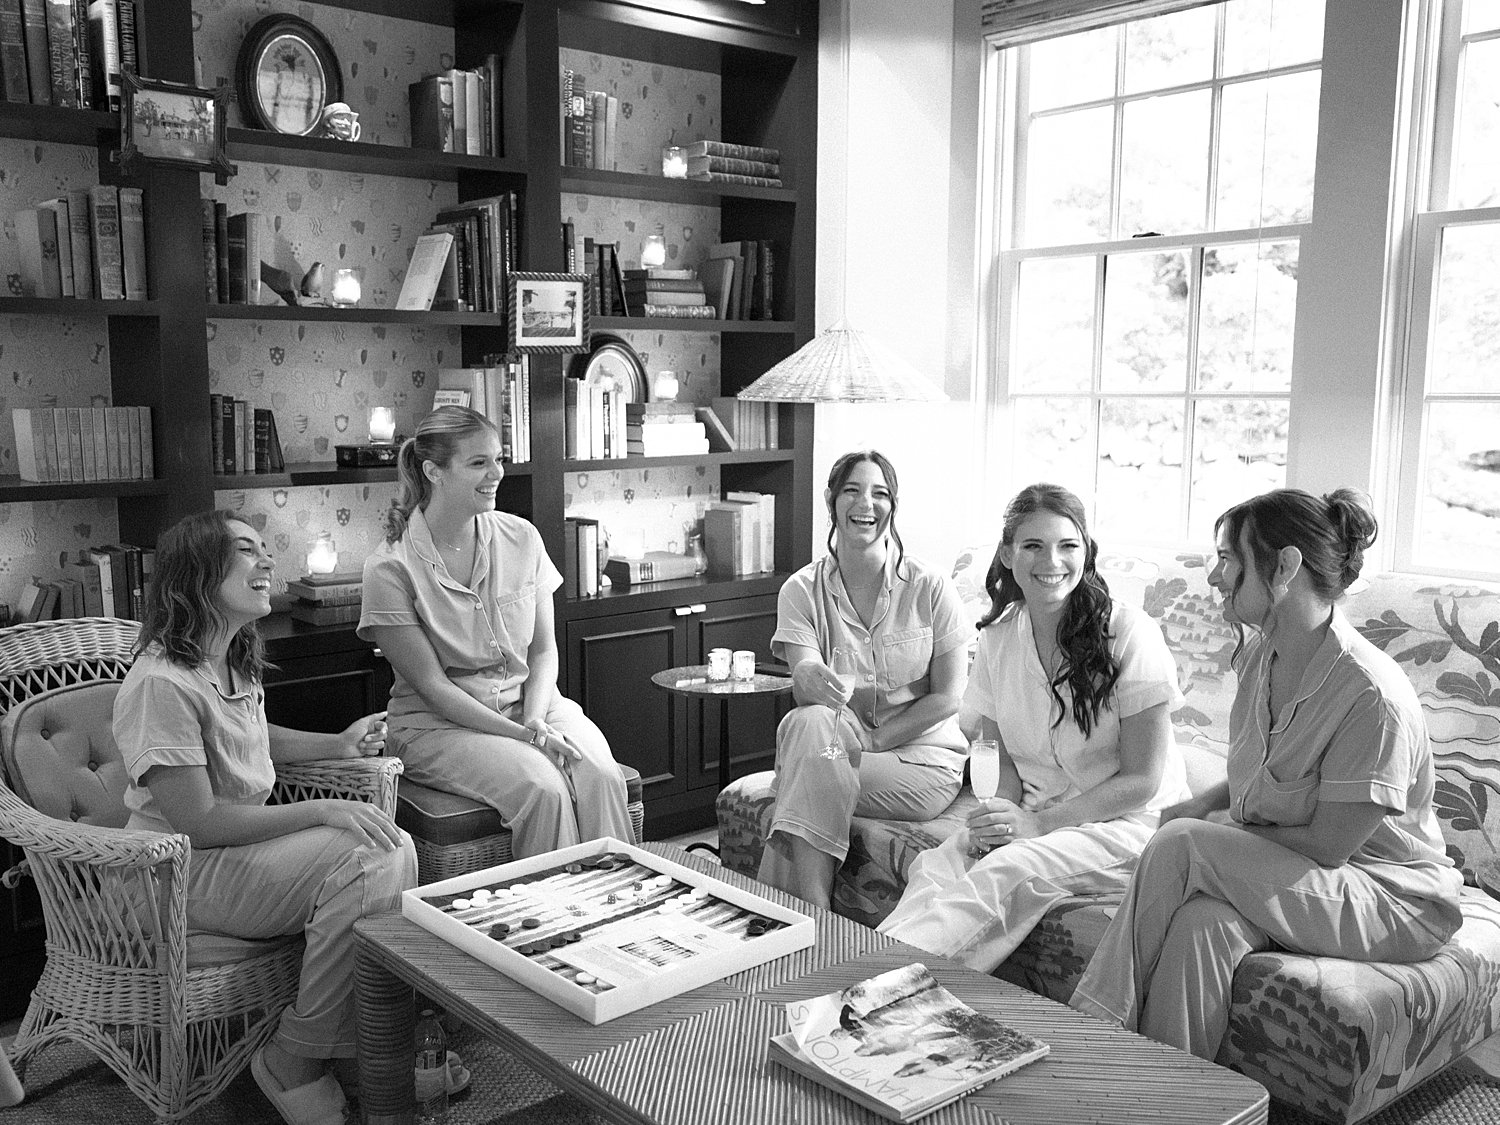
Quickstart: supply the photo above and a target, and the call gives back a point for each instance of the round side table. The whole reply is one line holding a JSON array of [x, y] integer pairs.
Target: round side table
[[691, 680]]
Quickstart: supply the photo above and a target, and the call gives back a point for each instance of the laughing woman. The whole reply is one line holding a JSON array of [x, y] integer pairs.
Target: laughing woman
[[459, 599], [1076, 688], [891, 748], [1331, 846]]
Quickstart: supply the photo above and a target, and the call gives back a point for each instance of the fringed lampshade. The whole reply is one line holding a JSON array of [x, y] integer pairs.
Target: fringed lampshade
[[843, 365]]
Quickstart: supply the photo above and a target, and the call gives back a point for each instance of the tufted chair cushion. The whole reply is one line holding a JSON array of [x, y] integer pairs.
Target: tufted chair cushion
[[61, 757]]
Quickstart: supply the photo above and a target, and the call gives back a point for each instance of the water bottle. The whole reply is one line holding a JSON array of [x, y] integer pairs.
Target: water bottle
[[432, 1070]]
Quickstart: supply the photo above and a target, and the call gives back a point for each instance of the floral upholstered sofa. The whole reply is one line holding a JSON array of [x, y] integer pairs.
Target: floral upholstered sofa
[[1335, 1038]]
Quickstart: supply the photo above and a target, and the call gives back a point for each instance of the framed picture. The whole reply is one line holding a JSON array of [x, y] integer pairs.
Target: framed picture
[[286, 75], [548, 312], [172, 123]]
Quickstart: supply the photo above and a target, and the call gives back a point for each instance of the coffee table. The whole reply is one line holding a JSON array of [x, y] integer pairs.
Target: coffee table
[[700, 1058]]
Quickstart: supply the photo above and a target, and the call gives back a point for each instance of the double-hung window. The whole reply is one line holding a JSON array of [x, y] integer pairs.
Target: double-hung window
[[1151, 182]]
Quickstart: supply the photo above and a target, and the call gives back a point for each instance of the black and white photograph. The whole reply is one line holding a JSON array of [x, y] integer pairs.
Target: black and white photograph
[[548, 312]]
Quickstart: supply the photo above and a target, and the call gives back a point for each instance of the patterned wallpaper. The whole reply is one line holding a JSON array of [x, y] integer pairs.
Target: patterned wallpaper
[[321, 379]]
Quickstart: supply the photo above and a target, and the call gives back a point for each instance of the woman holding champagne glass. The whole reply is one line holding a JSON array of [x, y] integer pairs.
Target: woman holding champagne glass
[[1073, 691], [876, 641]]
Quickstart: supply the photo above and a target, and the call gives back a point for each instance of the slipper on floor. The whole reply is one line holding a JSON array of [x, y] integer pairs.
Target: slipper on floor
[[316, 1103]]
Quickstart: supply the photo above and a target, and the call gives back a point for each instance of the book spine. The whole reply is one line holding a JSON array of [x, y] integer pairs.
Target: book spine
[[241, 417], [13, 52], [83, 55], [104, 35], [148, 443], [734, 151], [125, 17], [59, 444], [130, 425], [598, 113], [114, 441], [733, 164], [104, 217], [731, 178], [81, 243], [210, 234], [38, 66], [62, 70], [662, 285], [64, 241], [680, 312], [494, 105], [325, 614], [430, 101], [235, 250], [229, 462], [133, 242], [36, 243], [221, 249], [101, 441], [262, 440], [86, 433]]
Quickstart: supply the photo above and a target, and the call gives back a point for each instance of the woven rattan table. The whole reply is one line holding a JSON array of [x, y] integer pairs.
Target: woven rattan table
[[700, 1058]]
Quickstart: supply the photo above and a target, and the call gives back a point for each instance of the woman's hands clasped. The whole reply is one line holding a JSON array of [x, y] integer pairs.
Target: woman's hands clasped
[[553, 743], [998, 821]]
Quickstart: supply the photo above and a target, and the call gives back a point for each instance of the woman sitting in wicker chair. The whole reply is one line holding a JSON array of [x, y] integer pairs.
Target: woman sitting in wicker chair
[[191, 726]]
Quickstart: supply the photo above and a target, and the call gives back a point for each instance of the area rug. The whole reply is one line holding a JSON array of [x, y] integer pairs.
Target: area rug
[[67, 1086]]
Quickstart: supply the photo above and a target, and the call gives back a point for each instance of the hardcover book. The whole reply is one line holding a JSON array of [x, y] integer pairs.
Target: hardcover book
[[737, 152], [13, 52], [899, 1044], [133, 242], [82, 244], [104, 217], [431, 103], [38, 69], [36, 240], [419, 286]]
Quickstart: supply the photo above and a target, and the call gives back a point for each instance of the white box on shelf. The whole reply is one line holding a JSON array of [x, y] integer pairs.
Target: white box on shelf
[[628, 954]]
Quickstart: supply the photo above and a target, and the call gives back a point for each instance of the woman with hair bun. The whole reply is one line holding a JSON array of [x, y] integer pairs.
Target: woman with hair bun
[[459, 598], [1330, 846], [1076, 688]]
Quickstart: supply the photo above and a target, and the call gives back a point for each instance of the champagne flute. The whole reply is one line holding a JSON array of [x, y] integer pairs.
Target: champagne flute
[[984, 776], [845, 669]]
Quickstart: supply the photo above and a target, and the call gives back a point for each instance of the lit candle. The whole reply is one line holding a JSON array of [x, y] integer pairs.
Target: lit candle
[[382, 425], [653, 251], [673, 163], [322, 558], [345, 293]]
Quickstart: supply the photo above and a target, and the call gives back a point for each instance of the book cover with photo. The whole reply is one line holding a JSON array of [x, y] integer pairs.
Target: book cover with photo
[[899, 1044]]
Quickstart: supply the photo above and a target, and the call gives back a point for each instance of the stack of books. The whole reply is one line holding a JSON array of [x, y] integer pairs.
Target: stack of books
[[666, 292], [458, 110], [739, 534], [326, 599], [663, 429], [83, 443], [725, 163], [581, 570], [739, 279], [88, 244]]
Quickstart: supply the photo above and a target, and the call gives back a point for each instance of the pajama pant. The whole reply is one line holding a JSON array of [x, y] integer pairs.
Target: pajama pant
[[543, 806], [316, 882], [1204, 895], [978, 910], [816, 797]]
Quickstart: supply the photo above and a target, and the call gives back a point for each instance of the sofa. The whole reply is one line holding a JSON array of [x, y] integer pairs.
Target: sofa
[[1336, 1039]]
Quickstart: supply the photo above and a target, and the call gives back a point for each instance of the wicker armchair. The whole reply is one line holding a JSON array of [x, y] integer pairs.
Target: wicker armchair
[[176, 1015]]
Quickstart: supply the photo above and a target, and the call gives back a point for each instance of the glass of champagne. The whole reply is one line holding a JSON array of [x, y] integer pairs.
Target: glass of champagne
[[841, 662], [984, 776]]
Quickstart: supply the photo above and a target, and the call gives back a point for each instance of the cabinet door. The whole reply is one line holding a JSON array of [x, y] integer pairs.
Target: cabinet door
[[743, 623], [329, 691], [610, 661]]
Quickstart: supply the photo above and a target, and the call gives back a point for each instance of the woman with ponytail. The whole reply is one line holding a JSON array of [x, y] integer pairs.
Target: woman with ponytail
[[1076, 688], [459, 598], [1323, 840]]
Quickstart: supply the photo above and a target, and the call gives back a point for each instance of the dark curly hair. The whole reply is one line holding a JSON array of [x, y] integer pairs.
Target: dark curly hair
[[182, 601], [1088, 668], [839, 475]]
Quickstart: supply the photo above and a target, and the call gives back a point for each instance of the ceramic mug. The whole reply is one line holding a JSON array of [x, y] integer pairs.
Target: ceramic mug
[[340, 122]]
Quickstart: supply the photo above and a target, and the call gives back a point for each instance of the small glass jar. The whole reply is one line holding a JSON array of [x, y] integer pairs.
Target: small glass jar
[[695, 548], [653, 251], [322, 555], [346, 290], [673, 162]]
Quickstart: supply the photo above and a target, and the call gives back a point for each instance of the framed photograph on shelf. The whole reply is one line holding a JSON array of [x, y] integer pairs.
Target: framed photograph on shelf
[[548, 312], [286, 75], [172, 123]]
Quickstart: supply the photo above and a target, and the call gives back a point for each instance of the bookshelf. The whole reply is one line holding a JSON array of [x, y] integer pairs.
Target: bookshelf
[[161, 351]]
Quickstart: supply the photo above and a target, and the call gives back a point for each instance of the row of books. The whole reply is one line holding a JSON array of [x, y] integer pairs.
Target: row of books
[[243, 437], [231, 255], [739, 278], [66, 52], [474, 276], [89, 243], [751, 425], [501, 391], [666, 292], [459, 110], [739, 534], [590, 120], [725, 163], [326, 599], [83, 443], [106, 581], [581, 571]]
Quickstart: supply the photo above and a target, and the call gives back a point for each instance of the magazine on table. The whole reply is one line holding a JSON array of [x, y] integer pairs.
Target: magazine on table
[[899, 1044]]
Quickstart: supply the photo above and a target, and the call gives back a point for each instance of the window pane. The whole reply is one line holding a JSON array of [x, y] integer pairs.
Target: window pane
[[1239, 451], [1169, 50], [1248, 313], [1140, 470], [1465, 352], [1145, 322], [1055, 442], [1458, 527], [1476, 180], [1268, 140], [1164, 165], [1067, 178], [1073, 69], [1054, 326], [1481, 15], [1262, 34]]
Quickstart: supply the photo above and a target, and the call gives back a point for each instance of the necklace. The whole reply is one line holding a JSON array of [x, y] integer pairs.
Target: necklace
[[450, 546]]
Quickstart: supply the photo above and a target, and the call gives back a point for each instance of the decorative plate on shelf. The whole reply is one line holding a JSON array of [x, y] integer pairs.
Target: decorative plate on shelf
[[286, 75], [611, 358]]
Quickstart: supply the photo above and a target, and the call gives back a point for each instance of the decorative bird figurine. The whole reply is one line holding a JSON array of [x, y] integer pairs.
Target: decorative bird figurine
[[312, 281]]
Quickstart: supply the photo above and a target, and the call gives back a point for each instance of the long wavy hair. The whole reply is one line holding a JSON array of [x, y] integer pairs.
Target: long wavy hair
[[182, 603], [1332, 532], [436, 440], [839, 475], [1088, 669]]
